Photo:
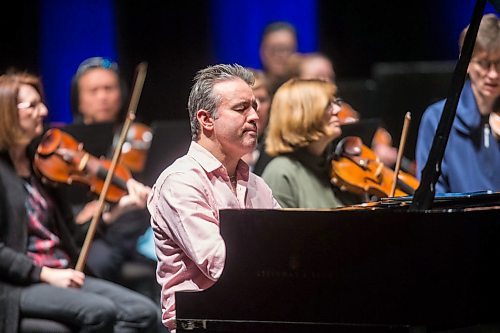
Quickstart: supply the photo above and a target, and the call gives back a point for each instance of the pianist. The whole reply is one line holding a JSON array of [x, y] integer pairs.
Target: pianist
[[187, 196]]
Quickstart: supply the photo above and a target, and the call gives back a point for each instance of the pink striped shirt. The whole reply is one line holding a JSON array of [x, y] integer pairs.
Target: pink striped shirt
[[184, 206]]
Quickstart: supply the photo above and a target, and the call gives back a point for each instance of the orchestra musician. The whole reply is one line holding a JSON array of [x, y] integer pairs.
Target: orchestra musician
[[96, 92], [315, 66], [97, 96], [277, 47], [472, 157], [38, 236], [188, 195], [258, 159], [318, 66], [303, 122]]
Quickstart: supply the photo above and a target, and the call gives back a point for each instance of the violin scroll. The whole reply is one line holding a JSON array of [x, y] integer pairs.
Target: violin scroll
[[136, 146], [347, 115]]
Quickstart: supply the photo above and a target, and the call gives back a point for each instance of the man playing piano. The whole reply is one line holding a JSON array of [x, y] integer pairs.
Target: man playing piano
[[188, 195]]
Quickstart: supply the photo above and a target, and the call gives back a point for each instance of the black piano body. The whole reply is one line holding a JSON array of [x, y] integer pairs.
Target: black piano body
[[354, 270]]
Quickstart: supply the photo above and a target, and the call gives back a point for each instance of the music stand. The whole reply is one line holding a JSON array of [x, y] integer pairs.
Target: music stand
[[97, 138], [171, 140]]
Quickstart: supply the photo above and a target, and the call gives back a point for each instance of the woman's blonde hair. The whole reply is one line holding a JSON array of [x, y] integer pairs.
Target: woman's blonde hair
[[297, 115], [10, 129]]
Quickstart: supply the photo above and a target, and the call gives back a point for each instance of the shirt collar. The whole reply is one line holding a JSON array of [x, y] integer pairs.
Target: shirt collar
[[210, 164], [468, 117]]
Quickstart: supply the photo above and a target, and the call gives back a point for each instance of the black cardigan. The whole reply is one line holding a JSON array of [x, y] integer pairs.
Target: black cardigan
[[16, 268]]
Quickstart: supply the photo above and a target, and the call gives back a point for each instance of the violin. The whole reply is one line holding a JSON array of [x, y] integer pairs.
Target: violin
[[356, 168], [348, 115], [136, 146], [60, 158]]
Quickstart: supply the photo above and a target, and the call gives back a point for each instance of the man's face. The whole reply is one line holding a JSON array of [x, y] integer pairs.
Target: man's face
[[235, 126], [99, 96], [484, 72], [276, 49]]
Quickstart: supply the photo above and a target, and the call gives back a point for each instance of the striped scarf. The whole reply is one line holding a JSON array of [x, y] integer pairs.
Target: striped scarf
[[43, 245]]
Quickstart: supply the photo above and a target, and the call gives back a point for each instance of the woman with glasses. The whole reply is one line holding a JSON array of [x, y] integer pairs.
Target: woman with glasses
[[302, 125], [318, 66], [472, 157], [38, 236]]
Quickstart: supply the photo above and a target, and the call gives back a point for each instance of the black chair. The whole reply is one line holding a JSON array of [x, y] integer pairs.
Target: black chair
[[37, 325], [139, 274]]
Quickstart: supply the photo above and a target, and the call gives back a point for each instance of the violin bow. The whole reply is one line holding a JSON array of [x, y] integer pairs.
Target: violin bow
[[141, 71], [401, 149]]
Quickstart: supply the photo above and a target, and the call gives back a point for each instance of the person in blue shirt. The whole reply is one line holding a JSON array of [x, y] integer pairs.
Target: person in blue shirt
[[472, 158]]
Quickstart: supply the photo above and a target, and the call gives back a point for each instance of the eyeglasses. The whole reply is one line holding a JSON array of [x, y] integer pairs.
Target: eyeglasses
[[485, 64], [29, 105], [280, 50], [330, 108], [338, 101]]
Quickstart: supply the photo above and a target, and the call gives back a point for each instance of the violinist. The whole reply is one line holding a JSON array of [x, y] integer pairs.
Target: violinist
[[472, 157], [318, 66], [96, 92], [97, 95], [38, 247], [303, 122]]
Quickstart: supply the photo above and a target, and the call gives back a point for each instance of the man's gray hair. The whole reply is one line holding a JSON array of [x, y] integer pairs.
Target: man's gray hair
[[488, 35], [202, 96]]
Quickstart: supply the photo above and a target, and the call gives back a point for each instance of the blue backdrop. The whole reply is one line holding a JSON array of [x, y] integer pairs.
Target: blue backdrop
[[74, 30]]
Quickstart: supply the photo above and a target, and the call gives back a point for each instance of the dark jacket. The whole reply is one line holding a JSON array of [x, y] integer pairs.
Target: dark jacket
[[16, 268]]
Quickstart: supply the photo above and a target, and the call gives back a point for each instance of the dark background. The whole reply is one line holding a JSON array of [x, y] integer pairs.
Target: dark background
[[388, 59]]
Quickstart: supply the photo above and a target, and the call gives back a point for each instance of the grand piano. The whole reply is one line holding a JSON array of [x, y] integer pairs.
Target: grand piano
[[373, 270], [417, 264]]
